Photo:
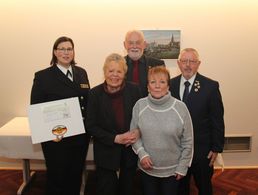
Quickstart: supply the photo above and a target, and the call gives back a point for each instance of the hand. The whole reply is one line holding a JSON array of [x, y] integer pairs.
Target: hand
[[126, 138], [135, 135], [146, 163], [178, 176], [56, 140], [212, 156]]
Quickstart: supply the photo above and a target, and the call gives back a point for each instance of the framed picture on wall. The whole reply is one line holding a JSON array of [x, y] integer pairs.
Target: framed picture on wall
[[162, 44]]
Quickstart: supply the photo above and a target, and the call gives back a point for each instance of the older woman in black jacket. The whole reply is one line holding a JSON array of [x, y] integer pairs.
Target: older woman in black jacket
[[109, 114]]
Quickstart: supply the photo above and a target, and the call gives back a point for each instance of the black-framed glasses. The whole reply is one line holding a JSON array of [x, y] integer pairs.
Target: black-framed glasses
[[63, 50]]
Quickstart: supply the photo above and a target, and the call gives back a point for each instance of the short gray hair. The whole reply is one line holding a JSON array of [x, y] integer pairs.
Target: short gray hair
[[194, 51], [136, 32]]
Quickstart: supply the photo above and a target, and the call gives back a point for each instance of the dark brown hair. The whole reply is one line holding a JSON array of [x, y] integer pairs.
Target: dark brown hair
[[57, 42]]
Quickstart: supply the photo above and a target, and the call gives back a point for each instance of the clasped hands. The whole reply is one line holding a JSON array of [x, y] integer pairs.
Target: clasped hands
[[128, 138]]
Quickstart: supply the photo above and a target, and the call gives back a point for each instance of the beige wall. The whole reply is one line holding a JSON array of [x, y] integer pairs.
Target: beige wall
[[224, 32]]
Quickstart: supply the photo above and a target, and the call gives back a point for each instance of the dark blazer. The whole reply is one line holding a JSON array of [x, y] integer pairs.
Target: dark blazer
[[145, 64], [51, 84], [206, 109], [101, 124]]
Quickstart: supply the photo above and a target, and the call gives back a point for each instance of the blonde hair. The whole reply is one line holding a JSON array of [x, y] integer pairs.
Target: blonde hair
[[116, 58]]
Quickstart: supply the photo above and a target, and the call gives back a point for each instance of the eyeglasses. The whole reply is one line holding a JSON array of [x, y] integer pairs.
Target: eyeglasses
[[186, 61], [63, 50]]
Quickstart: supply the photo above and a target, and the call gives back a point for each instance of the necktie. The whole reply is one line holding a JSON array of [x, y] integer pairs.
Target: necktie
[[69, 75], [136, 72], [186, 91]]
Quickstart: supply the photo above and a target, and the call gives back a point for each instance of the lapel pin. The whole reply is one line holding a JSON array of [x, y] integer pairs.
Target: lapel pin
[[197, 85]]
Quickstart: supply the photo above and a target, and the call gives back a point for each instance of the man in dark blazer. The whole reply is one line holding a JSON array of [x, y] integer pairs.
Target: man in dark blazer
[[138, 63], [204, 103], [65, 158]]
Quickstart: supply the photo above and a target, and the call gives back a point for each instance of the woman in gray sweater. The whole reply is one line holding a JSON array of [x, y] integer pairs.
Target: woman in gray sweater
[[165, 148]]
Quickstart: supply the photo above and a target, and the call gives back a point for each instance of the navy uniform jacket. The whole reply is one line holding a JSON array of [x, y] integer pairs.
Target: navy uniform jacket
[[52, 84], [145, 63], [101, 124], [206, 109]]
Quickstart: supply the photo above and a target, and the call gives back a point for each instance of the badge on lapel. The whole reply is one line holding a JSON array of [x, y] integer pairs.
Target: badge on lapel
[[197, 86], [84, 85]]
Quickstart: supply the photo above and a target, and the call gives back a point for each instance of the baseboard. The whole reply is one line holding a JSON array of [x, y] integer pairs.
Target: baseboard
[[20, 168], [237, 167], [43, 168]]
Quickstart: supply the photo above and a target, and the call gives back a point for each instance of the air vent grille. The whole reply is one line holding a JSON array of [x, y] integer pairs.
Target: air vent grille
[[237, 143]]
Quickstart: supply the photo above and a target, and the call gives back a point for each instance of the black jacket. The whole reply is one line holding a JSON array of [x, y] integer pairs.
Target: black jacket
[[101, 124], [51, 84], [145, 63], [206, 109]]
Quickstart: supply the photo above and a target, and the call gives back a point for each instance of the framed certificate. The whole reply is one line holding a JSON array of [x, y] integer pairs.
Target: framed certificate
[[55, 120]]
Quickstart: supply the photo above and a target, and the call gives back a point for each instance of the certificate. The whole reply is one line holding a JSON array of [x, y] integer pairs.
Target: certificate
[[55, 120]]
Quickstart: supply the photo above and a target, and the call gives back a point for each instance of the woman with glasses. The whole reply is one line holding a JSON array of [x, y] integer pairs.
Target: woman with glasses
[[65, 157]]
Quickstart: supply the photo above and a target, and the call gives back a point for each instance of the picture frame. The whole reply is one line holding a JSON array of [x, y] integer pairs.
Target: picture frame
[[162, 44]]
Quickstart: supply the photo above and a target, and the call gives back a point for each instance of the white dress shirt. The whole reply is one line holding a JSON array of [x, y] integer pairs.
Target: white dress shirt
[[64, 70], [182, 85]]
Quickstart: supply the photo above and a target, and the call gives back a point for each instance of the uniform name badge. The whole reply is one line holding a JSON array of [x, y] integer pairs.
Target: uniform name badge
[[84, 85]]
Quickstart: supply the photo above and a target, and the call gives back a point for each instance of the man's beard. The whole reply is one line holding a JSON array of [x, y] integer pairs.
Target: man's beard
[[135, 54]]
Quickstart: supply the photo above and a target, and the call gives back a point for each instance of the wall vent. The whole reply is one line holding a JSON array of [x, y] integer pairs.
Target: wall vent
[[238, 143]]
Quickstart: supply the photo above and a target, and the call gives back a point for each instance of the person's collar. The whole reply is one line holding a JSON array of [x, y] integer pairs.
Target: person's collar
[[64, 70], [159, 101], [191, 80], [141, 59], [116, 93]]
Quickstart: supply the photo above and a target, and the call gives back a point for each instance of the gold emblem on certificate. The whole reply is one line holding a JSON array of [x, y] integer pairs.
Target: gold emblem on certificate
[[59, 132]]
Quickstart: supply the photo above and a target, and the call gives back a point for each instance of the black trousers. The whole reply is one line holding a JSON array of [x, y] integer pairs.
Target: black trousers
[[159, 185], [110, 182], [202, 174], [64, 167]]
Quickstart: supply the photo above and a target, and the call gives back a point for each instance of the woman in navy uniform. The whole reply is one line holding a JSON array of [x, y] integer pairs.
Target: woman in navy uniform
[[64, 158]]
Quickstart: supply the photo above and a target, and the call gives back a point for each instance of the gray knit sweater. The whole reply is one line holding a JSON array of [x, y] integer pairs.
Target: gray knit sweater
[[166, 135]]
